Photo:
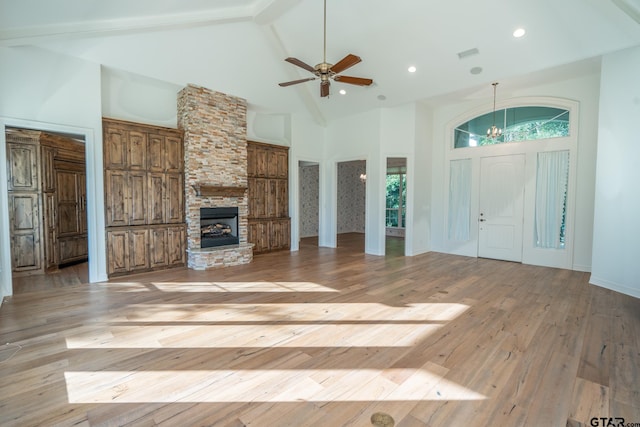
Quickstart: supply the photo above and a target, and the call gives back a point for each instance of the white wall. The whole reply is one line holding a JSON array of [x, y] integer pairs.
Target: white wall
[[584, 90], [48, 91], [140, 99], [355, 138], [616, 240]]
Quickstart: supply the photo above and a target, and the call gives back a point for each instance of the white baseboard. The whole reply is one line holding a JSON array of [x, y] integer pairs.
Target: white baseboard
[[607, 284]]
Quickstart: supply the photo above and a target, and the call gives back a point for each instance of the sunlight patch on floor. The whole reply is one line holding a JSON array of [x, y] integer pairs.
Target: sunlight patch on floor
[[252, 336], [271, 385], [241, 287]]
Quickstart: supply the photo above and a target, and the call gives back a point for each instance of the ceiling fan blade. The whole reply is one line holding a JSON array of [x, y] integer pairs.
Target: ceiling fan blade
[[324, 89], [353, 80], [295, 82], [296, 61], [346, 62]]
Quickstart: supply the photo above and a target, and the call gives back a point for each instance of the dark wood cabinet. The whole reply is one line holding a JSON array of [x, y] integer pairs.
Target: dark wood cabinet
[[47, 196], [144, 196], [268, 182]]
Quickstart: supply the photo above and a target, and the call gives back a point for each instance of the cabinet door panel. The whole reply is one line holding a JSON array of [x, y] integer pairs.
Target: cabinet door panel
[[22, 168], [82, 196], [174, 160], [158, 247], [118, 251], [115, 148], [156, 153], [174, 198], [25, 231], [261, 162], [251, 160], [283, 164], [260, 194], [47, 156], [282, 198], [156, 195], [50, 221], [68, 203], [176, 246], [138, 249], [117, 195], [138, 198], [272, 164], [137, 159], [272, 205]]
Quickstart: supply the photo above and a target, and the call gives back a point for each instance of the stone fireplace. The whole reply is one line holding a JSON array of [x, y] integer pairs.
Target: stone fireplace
[[215, 163]]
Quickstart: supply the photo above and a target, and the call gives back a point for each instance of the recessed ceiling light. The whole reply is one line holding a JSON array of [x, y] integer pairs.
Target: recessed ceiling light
[[519, 33], [343, 92], [412, 69], [381, 97], [476, 70]]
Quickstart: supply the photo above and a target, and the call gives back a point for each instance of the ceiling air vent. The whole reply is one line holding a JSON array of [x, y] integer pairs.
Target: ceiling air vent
[[469, 52]]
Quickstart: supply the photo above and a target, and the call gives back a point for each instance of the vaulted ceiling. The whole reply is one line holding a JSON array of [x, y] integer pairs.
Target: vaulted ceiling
[[239, 46]]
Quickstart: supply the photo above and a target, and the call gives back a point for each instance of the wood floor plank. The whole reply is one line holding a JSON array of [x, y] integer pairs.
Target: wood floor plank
[[322, 336]]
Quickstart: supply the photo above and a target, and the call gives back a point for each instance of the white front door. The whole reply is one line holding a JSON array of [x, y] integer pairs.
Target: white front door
[[501, 207]]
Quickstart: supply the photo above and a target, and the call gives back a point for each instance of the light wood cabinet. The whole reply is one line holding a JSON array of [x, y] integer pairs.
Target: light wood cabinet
[[144, 196], [269, 222], [24, 220], [22, 167]]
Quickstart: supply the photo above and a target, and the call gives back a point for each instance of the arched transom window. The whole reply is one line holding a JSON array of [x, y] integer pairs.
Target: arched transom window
[[518, 124]]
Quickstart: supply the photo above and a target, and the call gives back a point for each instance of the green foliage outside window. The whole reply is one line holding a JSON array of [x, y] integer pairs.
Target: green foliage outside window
[[396, 200]]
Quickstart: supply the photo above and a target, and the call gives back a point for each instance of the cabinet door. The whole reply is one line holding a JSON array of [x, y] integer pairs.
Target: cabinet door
[[24, 214], [138, 249], [156, 153], [22, 167], [174, 211], [280, 234], [258, 234], [251, 160], [137, 142], [49, 232], [117, 251], [117, 197], [138, 198], [156, 198], [282, 198], [261, 161], [68, 203], [115, 147], [260, 198], [72, 249], [272, 202], [176, 246], [282, 160], [272, 163], [47, 156], [82, 194], [158, 247], [173, 159]]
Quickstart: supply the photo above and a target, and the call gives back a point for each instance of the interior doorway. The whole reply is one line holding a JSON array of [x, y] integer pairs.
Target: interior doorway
[[308, 203], [47, 205], [351, 201], [395, 205], [501, 211]]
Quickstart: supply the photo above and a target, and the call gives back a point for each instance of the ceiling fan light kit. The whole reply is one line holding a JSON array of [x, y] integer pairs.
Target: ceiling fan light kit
[[326, 71]]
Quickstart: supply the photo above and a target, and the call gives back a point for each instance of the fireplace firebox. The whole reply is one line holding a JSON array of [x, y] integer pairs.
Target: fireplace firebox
[[218, 227]]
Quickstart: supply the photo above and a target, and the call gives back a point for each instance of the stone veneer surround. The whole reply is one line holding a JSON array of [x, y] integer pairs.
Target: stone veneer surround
[[215, 154]]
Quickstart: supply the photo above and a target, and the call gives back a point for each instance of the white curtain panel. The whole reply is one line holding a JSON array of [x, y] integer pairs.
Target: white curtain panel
[[552, 178], [459, 200]]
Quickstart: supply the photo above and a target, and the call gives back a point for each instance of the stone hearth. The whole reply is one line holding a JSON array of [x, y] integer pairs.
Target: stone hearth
[[215, 156]]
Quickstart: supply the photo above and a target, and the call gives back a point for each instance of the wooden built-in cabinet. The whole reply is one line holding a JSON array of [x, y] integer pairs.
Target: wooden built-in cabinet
[[144, 197], [268, 181], [47, 200]]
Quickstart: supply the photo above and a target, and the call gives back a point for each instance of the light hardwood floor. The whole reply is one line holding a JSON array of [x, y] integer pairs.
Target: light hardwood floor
[[322, 337]]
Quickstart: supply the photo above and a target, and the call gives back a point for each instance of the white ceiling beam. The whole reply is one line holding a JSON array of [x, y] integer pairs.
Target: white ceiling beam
[[36, 34], [267, 11]]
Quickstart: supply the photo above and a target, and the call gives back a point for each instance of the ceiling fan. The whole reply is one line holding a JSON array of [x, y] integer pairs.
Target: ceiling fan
[[326, 71]]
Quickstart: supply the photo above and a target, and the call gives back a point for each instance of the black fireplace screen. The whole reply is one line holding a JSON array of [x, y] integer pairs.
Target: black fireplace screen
[[218, 227]]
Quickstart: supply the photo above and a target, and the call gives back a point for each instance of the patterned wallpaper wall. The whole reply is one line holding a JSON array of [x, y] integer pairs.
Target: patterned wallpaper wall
[[309, 200], [351, 197]]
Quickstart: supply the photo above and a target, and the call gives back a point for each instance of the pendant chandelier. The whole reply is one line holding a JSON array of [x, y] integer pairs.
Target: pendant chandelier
[[494, 131]]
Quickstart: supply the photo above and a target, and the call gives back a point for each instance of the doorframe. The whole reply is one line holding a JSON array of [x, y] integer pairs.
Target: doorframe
[[95, 200], [294, 206], [559, 258]]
